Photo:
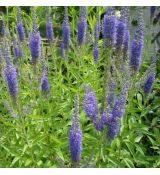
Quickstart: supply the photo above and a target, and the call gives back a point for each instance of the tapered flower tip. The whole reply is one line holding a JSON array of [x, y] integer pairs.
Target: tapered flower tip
[[66, 36], [82, 26], [21, 31], [81, 36], [18, 53]]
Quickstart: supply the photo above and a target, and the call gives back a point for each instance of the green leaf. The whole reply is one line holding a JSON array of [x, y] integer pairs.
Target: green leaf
[[139, 98], [28, 162], [138, 138], [114, 161], [14, 161], [139, 149], [131, 149], [128, 162]]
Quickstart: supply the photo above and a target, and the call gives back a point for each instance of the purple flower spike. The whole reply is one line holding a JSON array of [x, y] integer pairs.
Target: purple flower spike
[[119, 106], [21, 32], [18, 53], [138, 43], [136, 54], [82, 26], [149, 82], [66, 30], [49, 26], [126, 42], [35, 46], [109, 30], [75, 144], [90, 104], [75, 135], [35, 39], [49, 31], [20, 27], [112, 123], [121, 30], [113, 128], [125, 15], [102, 122], [96, 51], [109, 121], [11, 78]]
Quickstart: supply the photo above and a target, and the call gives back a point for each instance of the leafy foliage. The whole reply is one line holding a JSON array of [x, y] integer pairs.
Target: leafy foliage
[[34, 132]]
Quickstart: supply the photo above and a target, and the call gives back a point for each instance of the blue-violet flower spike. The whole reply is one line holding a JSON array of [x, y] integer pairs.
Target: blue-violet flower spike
[[82, 26], [11, 78], [75, 135], [109, 30], [90, 104], [35, 46], [49, 26], [149, 82], [19, 26], [66, 30]]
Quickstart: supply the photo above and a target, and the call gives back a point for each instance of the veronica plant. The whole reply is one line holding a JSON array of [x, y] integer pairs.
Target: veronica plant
[[35, 40], [109, 28], [19, 26], [49, 26], [82, 26], [10, 73], [137, 44], [45, 86], [18, 52], [96, 50], [66, 30], [75, 136], [90, 104]]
